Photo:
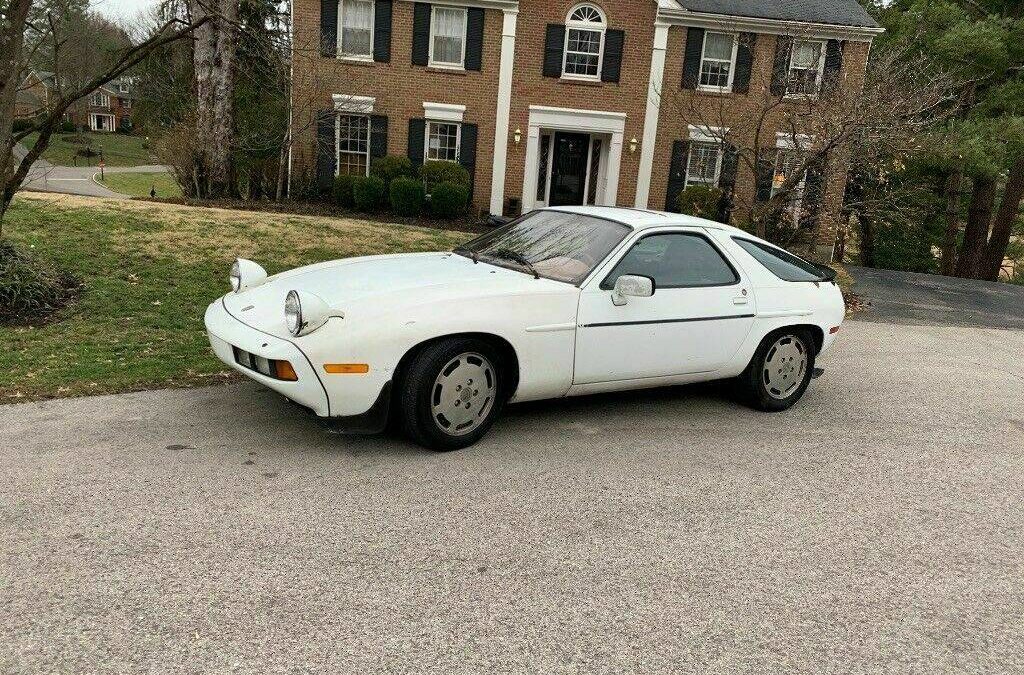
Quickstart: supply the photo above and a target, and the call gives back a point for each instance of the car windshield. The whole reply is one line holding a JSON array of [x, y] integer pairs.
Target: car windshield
[[552, 244]]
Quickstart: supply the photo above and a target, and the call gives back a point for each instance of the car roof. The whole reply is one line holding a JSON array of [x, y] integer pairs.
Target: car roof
[[642, 219]]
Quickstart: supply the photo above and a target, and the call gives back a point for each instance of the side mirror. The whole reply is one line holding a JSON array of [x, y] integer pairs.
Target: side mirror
[[631, 286]]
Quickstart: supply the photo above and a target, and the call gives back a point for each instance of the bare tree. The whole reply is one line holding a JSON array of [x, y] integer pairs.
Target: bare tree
[[17, 53], [791, 143]]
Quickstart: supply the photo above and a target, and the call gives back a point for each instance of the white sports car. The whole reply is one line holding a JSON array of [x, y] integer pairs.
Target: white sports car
[[560, 302]]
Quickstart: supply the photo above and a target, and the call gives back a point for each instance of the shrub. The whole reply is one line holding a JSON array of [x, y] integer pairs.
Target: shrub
[[436, 172], [341, 191], [407, 196], [30, 289], [67, 126], [21, 124], [701, 201], [449, 200], [391, 167], [368, 193]]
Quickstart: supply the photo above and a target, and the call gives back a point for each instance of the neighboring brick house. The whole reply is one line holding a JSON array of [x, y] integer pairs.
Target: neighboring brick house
[[109, 108], [551, 102], [33, 95]]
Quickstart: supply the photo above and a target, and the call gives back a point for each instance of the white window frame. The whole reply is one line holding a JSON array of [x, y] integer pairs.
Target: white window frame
[[601, 28], [373, 18], [103, 97], [461, 65], [795, 143], [821, 68], [732, 63], [458, 140], [122, 87], [337, 140], [718, 163]]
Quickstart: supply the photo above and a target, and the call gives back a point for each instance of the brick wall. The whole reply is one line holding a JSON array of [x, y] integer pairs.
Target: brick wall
[[628, 95], [399, 87]]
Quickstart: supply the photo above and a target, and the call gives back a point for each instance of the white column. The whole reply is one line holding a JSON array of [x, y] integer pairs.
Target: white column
[[650, 137], [508, 48]]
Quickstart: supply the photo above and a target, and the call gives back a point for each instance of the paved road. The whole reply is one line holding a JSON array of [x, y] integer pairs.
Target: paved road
[[76, 180], [876, 527], [909, 298]]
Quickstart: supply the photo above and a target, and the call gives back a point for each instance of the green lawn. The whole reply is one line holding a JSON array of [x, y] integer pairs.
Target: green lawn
[[150, 271], [140, 184], [118, 149]]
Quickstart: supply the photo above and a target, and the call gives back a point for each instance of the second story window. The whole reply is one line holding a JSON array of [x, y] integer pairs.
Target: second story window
[[355, 39], [100, 100], [584, 43], [448, 37], [443, 141], [806, 64], [718, 61]]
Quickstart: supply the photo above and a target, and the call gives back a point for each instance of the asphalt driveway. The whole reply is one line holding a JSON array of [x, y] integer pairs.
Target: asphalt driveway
[[929, 299], [876, 527]]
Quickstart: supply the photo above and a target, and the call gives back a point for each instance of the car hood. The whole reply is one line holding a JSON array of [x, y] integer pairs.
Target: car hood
[[367, 287]]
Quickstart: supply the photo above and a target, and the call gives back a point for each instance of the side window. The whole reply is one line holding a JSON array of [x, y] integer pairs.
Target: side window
[[675, 260], [782, 264]]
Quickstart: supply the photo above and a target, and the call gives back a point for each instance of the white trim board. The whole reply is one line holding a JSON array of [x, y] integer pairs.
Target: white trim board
[[725, 22], [354, 104], [444, 112]]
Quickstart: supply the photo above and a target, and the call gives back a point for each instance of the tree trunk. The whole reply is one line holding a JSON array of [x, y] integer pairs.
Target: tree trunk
[[867, 241], [954, 182], [1002, 226], [214, 56], [11, 41], [979, 215]]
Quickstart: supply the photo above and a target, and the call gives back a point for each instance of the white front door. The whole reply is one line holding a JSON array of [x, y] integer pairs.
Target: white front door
[[701, 311]]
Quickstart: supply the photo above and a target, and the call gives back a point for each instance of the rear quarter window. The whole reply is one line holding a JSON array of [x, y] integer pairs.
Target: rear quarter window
[[782, 264]]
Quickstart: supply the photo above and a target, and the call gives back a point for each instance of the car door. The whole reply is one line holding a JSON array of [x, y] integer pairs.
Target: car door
[[699, 314]]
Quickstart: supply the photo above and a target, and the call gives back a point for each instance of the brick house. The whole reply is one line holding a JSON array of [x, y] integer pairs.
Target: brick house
[[109, 108], [551, 102]]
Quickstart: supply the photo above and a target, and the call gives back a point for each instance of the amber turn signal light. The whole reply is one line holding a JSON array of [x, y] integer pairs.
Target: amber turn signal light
[[347, 368], [284, 371]]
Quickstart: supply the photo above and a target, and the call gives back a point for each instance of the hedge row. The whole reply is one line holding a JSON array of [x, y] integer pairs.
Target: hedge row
[[442, 188]]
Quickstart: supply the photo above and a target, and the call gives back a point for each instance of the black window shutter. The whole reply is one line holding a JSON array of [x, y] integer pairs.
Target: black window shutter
[[727, 180], [382, 31], [378, 136], [329, 28], [677, 174], [554, 44], [765, 173], [744, 63], [614, 40], [417, 131], [780, 70], [474, 38], [814, 193], [833, 64], [691, 59], [467, 153], [326, 149], [421, 34]]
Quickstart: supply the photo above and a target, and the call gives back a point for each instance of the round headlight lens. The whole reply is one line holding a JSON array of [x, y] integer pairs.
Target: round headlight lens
[[293, 313], [236, 277]]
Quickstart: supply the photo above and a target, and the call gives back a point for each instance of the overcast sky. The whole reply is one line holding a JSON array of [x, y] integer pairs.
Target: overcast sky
[[122, 9]]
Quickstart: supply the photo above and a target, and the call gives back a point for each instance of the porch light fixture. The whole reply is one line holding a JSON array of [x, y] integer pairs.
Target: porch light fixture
[[633, 144], [517, 136]]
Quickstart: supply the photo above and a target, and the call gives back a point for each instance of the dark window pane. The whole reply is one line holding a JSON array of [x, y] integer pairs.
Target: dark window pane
[[675, 261], [782, 264]]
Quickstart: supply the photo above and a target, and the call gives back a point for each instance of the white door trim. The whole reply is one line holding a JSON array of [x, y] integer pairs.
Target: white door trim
[[568, 119]]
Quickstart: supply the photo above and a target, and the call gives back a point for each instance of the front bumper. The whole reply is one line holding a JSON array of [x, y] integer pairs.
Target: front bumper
[[226, 332]]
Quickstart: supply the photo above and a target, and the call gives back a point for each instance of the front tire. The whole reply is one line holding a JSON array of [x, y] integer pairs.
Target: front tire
[[452, 394], [780, 371]]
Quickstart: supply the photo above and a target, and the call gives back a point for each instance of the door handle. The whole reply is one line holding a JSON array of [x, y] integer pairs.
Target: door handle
[[739, 301]]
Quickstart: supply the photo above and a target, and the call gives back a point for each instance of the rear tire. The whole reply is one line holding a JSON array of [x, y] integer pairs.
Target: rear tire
[[451, 394], [780, 371]]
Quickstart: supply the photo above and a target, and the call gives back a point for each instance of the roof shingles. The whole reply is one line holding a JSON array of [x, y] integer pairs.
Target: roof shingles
[[835, 12]]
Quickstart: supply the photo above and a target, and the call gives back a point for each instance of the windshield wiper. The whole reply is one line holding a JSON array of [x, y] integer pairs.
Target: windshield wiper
[[472, 254], [508, 254]]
